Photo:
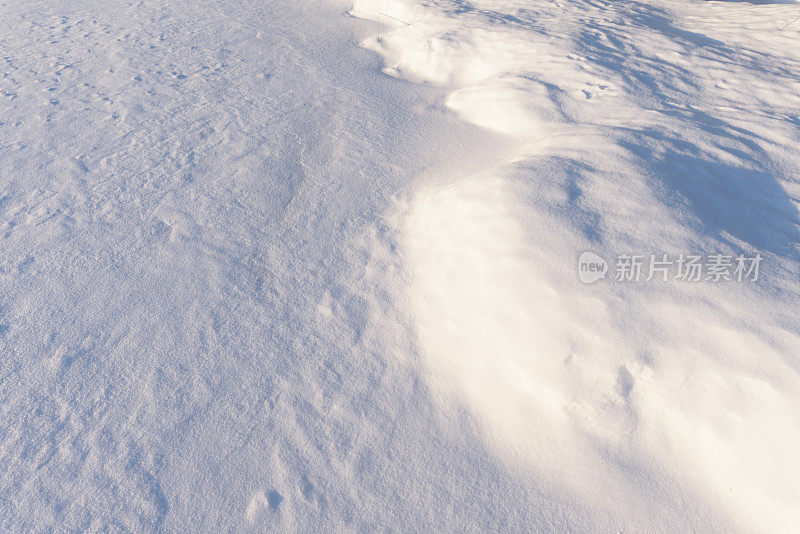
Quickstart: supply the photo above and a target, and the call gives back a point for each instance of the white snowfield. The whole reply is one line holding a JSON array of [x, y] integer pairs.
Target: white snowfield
[[256, 277]]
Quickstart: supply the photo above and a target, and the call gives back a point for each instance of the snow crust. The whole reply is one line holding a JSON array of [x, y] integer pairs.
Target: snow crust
[[249, 282], [638, 126]]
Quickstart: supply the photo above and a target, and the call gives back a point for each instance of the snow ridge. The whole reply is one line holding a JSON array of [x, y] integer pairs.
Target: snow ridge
[[633, 127]]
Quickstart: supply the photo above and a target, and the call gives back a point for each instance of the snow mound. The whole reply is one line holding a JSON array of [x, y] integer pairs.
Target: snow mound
[[636, 128]]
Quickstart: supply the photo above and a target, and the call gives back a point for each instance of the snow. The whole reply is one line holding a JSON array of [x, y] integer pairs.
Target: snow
[[643, 127], [313, 267]]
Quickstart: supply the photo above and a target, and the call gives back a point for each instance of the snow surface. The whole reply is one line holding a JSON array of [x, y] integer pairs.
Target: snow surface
[[248, 281]]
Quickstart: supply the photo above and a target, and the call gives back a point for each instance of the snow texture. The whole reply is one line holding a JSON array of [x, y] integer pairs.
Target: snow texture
[[312, 266]]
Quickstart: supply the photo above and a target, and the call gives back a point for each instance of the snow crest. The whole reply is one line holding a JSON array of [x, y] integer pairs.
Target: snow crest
[[634, 128]]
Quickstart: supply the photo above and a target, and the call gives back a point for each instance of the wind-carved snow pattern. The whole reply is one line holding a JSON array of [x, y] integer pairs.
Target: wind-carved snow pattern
[[633, 127], [187, 334], [212, 318]]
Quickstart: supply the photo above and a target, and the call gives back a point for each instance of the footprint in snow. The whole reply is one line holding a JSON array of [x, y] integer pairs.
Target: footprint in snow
[[262, 502]]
